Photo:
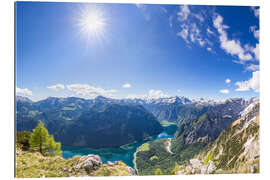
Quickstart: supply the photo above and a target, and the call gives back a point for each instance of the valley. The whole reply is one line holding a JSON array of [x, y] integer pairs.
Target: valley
[[144, 134], [123, 153]]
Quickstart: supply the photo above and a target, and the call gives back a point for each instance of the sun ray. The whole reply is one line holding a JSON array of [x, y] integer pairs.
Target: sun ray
[[91, 22]]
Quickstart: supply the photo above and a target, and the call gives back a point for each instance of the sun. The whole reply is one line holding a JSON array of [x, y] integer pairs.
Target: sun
[[92, 22]]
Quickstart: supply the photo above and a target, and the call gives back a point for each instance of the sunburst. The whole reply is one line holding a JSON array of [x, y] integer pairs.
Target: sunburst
[[91, 22]]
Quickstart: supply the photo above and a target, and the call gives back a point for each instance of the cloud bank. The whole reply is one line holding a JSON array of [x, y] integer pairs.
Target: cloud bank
[[24, 92], [57, 87], [253, 83], [88, 91]]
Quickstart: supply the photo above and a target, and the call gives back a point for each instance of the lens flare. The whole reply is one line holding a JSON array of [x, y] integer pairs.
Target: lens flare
[[91, 22]]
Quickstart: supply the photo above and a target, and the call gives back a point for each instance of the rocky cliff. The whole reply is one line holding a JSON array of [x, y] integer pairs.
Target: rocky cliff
[[236, 150]]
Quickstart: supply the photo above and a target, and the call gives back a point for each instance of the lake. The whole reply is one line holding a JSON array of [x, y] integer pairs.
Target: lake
[[123, 153]]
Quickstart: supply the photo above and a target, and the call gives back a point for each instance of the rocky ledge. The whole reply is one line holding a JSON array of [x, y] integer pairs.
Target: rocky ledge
[[93, 165], [196, 167]]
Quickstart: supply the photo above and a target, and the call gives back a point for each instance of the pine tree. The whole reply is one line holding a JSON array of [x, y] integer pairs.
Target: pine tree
[[22, 139], [158, 172], [43, 142], [54, 148]]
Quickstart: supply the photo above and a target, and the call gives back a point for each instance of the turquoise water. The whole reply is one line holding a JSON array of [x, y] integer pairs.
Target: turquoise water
[[124, 153]]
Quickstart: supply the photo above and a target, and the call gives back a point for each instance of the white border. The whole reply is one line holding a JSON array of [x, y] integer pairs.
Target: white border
[[7, 86]]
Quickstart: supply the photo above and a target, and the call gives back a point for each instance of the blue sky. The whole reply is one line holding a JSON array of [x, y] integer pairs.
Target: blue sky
[[135, 50]]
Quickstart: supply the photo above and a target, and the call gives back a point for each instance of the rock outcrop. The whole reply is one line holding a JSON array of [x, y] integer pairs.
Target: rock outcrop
[[196, 167], [90, 163], [236, 150]]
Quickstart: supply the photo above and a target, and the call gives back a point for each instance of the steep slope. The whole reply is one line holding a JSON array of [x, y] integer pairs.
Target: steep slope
[[192, 136], [209, 125], [79, 122], [236, 150], [112, 126]]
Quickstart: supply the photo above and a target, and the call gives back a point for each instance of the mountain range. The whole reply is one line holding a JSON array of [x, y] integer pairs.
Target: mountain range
[[106, 122]]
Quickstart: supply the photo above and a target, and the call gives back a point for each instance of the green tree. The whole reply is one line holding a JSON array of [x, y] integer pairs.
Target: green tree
[[54, 148], [43, 142], [158, 172], [22, 139]]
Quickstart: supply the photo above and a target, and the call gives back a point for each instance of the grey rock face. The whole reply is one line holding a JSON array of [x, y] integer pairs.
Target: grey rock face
[[89, 163], [204, 169], [131, 171], [195, 163], [211, 168], [110, 163]]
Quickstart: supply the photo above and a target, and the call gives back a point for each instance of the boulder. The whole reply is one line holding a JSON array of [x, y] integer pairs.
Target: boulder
[[195, 163], [131, 171], [211, 167], [90, 163], [110, 163], [188, 168], [204, 169]]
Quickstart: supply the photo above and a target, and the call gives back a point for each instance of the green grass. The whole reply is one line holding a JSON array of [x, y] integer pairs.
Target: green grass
[[35, 165], [208, 158], [166, 123], [119, 170], [201, 118], [144, 147], [153, 157]]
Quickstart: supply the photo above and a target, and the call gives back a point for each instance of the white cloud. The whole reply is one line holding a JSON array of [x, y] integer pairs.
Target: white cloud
[[183, 13], [198, 16], [57, 87], [252, 67], [232, 47], [191, 32], [155, 94], [227, 81], [127, 85], [164, 10], [253, 83], [184, 33], [192, 27], [224, 91], [24, 92], [87, 91], [170, 21], [256, 51], [209, 31], [256, 11], [195, 34], [256, 33], [201, 42], [144, 11], [209, 49], [152, 94]]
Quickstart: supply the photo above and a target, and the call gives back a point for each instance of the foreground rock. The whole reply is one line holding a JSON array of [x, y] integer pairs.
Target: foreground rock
[[196, 167], [89, 163], [35, 165]]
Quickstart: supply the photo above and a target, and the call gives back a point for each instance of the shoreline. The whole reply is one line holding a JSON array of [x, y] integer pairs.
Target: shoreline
[[125, 147], [134, 161]]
